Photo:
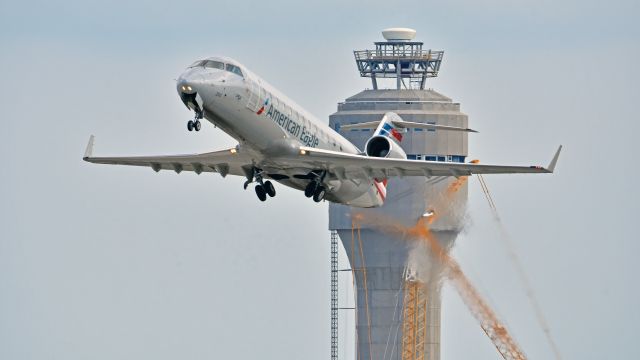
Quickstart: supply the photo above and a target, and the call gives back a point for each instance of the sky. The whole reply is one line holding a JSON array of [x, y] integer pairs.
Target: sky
[[117, 263]]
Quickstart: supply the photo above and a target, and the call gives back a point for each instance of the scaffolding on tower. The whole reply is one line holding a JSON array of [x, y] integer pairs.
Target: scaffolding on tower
[[414, 319], [334, 295]]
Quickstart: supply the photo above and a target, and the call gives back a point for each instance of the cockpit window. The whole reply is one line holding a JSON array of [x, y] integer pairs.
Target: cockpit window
[[214, 64], [197, 63], [234, 69]]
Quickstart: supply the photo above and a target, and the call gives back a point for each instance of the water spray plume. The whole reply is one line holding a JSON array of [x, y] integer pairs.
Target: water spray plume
[[517, 264], [456, 185], [479, 308]]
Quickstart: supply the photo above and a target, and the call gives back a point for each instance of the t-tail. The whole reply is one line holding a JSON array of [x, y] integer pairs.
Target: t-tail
[[387, 127], [392, 126]]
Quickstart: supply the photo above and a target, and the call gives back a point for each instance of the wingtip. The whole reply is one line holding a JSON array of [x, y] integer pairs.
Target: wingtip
[[89, 150], [552, 164]]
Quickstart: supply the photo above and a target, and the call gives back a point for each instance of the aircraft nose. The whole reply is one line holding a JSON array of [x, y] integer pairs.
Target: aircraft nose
[[189, 82], [185, 87], [188, 85]]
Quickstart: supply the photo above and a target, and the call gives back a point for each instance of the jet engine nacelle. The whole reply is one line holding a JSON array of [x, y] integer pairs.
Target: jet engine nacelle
[[382, 146]]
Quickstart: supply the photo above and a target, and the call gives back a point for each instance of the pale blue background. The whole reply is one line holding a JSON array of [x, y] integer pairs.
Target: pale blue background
[[101, 262]]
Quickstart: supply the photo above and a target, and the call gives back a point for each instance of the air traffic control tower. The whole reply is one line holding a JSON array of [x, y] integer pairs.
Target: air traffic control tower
[[397, 285]]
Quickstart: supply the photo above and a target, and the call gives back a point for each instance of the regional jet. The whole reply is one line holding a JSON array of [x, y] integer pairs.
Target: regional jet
[[279, 140]]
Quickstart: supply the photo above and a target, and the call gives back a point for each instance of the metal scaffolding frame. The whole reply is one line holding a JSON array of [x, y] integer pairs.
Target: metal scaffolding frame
[[334, 295], [414, 323], [400, 60]]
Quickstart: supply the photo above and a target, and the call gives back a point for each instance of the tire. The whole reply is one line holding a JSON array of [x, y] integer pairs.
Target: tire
[[197, 125], [268, 187], [190, 125], [262, 194], [319, 194], [310, 189]]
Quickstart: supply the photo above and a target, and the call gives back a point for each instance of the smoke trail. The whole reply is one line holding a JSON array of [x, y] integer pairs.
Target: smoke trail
[[515, 260]]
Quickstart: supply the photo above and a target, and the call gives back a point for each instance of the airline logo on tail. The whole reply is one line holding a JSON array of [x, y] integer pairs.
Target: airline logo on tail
[[388, 130]]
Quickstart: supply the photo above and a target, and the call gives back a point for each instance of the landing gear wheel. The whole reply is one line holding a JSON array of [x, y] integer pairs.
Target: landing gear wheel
[[260, 191], [319, 194], [270, 190], [310, 189], [190, 125], [197, 125]]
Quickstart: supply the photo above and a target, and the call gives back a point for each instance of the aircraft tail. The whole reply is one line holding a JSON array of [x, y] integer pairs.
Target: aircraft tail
[[387, 128]]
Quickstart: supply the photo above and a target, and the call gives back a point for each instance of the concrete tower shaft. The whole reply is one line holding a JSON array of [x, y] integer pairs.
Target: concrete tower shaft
[[381, 262]]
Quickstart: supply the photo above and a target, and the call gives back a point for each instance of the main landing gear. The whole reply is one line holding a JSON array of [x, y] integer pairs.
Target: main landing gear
[[315, 189], [195, 124], [263, 188]]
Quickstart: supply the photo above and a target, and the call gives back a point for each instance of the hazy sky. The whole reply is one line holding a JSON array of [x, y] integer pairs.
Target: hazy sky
[[100, 262]]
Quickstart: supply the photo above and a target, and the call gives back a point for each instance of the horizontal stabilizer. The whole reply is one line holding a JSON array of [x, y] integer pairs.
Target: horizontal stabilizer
[[397, 121]]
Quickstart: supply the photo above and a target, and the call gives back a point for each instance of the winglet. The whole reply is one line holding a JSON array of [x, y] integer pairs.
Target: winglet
[[89, 151], [552, 164]]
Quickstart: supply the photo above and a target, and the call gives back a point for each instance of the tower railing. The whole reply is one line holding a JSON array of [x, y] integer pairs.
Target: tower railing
[[400, 60]]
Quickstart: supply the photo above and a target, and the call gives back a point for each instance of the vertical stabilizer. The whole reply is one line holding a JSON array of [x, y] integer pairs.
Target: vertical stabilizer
[[387, 128]]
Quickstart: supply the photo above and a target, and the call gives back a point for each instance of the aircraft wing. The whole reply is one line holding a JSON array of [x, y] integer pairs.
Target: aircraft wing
[[224, 162], [346, 166]]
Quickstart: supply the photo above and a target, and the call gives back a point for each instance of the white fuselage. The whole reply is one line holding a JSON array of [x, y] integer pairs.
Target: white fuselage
[[265, 121]]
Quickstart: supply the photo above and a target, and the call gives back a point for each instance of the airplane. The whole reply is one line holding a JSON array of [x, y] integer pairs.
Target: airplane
[[279, 140]]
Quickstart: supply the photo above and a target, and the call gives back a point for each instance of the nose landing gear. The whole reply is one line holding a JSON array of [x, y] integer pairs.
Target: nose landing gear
[[195, 124]]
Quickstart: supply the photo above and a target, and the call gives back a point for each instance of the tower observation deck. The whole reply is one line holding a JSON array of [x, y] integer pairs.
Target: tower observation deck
[[398, 317], [401, 58]]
